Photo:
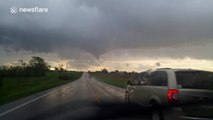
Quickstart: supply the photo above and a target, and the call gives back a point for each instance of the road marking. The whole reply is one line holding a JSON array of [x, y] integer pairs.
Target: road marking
[[110, 90], [33, 100], [102, 89], [97, 97], [194, 118]]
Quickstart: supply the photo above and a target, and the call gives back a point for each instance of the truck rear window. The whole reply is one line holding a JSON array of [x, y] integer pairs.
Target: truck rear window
[[195, 79]]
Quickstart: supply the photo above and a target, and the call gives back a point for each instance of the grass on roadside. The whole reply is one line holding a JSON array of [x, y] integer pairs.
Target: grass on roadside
[[116, 82], [17, 87], [116, 79]]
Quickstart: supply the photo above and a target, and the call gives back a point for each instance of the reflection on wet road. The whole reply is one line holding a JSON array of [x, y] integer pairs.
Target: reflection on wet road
[[85, 98]]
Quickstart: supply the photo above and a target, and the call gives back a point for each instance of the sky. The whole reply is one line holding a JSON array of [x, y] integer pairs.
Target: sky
[[131, 35]]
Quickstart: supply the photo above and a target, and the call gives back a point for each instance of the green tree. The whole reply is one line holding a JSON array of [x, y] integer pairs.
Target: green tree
[[104, 70], [38, 66]]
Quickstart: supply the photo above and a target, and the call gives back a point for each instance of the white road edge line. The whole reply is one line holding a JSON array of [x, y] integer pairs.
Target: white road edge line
[[33, 100]]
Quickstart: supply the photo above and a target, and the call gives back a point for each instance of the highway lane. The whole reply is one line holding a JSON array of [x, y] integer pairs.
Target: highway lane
[[82, 99]]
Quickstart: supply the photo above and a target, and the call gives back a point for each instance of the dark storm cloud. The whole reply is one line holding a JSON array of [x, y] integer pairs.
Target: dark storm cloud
[[153, 23], [99, 26]]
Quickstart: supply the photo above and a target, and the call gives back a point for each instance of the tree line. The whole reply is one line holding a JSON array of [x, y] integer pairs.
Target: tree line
[[35, 67]]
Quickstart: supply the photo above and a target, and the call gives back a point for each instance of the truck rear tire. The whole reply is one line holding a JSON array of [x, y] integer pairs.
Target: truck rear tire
[[156, 111]]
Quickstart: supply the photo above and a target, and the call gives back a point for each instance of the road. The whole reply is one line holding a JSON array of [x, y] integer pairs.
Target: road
[[83, 99]]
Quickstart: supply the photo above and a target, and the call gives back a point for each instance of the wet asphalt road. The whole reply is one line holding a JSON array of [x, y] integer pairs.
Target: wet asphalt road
[[83, 99]]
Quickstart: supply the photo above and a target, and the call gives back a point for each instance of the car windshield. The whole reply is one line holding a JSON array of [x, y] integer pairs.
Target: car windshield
[[195, 79], [91, 59]]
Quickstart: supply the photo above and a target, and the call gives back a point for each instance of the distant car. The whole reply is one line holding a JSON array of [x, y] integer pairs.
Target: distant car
[[173, 93]]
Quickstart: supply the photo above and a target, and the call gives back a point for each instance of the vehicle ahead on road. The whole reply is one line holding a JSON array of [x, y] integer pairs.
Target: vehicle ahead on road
[[173, 93]]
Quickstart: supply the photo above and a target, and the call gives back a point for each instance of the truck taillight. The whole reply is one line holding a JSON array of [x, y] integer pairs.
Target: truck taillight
[[173, 96]]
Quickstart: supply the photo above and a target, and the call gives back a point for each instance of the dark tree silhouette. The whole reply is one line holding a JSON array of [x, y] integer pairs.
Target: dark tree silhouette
[[35, 67], [104, 70], [38, 66]]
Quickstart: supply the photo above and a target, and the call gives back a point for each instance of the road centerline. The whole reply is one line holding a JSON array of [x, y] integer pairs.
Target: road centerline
[[97, 97]]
